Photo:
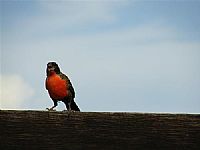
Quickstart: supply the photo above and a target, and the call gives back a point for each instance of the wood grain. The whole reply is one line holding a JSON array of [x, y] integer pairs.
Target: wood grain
[[95, 130]]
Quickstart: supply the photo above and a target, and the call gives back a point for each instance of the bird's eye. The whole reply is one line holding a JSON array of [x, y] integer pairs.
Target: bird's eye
[[49, 66]]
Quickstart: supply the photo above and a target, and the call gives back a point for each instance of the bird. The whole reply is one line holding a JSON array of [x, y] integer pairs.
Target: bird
[[59, 88]]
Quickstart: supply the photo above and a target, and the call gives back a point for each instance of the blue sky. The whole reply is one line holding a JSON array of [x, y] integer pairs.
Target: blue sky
[[135, 56]]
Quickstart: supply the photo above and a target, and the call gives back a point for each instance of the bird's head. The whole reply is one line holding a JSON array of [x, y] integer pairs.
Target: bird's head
[[52, 67]]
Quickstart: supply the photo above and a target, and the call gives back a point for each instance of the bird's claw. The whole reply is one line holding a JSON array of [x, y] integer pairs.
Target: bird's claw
[[69, 111], [50, 109]]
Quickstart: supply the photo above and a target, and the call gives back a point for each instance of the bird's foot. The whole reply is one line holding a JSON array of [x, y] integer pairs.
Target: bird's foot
[[68, 111], [50, 109]]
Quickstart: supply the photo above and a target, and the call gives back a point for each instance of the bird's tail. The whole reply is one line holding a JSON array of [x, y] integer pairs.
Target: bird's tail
[[74, 106], [71, 105]]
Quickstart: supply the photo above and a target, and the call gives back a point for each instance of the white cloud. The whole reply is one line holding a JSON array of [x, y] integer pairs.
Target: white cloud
[[14, 91]]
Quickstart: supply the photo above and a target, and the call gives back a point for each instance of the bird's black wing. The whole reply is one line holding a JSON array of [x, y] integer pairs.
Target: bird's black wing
[[69, 84]]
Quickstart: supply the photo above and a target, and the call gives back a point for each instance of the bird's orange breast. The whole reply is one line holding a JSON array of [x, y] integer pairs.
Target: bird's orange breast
[[56, 86]]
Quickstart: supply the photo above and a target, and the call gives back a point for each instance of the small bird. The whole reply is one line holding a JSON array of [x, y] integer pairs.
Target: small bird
[[59, 87]]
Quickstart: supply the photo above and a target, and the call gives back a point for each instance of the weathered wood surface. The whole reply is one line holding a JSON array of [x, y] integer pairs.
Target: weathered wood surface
[[82, 130]]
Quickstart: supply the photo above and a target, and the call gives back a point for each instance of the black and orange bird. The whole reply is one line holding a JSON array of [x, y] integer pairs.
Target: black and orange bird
[[59, 87]]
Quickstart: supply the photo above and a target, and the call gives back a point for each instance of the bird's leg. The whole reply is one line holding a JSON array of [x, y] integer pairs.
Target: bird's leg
[[69, 104], [65, 100], [55, 104]]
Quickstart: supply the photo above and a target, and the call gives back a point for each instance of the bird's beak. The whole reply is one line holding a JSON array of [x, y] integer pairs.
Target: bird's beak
[[50, 69]]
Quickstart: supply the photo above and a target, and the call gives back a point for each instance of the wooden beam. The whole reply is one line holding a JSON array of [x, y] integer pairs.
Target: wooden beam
[[97, 130]]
